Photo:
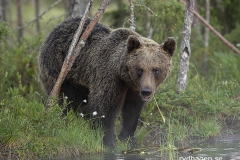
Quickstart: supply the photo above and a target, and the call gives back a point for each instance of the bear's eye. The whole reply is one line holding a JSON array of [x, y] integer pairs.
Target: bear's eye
[[139, 71], [156, 72]]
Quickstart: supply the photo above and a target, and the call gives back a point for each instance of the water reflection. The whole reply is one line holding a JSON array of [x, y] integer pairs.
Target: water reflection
[[129, 157], [119, 156], [211, 150], [219, 150]]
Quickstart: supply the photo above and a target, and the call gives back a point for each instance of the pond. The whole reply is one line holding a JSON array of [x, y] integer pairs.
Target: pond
[[212, 149], [225, 149]]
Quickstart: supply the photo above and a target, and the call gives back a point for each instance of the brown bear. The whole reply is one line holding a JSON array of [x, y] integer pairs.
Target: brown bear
[[116, 70]]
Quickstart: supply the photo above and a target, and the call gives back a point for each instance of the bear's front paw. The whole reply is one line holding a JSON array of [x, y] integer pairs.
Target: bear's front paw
[[133, 143]]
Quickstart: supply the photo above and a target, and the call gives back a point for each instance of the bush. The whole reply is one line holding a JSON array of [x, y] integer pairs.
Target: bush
[[19, 68]]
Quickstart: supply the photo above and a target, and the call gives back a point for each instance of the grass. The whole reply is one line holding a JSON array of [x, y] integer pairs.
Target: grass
[[29, 131]]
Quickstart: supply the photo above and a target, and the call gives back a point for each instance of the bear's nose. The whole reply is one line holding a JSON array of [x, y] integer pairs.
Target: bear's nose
[[146, 91]]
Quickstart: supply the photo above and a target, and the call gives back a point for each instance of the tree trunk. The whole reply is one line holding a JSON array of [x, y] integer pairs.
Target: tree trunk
[[132, 23], [196, 21], [36, 14], [149, 26], [79, 7], [69, 8], [206, 37], [19, 22], [2, 11], [8, 14], [185, 47]]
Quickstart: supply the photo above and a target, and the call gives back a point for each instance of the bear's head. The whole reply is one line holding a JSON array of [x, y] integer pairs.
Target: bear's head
[[148, 63]]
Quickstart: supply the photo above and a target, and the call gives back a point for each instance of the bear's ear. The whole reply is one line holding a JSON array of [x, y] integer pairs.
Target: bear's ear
[[170, 45], [132, 43]]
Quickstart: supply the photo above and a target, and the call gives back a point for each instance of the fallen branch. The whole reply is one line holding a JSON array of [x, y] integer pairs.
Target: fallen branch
[[156, 149], [225, 41], [76, 46]]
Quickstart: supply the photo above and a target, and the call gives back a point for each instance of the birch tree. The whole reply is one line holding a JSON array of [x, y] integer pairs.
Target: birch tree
[[76, 7], [196, 21], [132, 23], [185, 47], [79, 7], [69, 7]]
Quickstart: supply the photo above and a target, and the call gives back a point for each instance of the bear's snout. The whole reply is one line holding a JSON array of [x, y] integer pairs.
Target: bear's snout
[[146, 94], [146, 91]]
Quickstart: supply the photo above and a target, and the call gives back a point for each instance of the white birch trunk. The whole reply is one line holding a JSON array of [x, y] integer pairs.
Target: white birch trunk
[[79, 7], [185, 47]]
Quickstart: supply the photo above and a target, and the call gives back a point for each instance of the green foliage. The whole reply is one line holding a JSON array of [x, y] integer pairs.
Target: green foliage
[[116, 17], [219, 46], [224, 17], [227, 62], [19, 68], [30, 131], [225, 13], [234, 35], [216, 45], [206, 128], [165, 17], [4, 31]]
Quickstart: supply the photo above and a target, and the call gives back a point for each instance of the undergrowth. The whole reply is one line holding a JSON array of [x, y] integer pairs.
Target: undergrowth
[[30, 131]]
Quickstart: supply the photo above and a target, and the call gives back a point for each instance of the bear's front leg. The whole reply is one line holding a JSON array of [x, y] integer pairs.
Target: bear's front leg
[[105, 101], [130, 114]]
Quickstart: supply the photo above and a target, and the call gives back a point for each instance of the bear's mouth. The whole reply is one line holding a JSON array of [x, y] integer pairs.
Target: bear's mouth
[[146, 93], [146, 98]]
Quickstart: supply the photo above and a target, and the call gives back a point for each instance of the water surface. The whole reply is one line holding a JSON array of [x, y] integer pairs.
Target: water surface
[[222, 149]]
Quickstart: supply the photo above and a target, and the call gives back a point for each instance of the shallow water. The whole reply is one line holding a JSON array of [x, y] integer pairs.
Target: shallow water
[[220, 150], [223, 149]]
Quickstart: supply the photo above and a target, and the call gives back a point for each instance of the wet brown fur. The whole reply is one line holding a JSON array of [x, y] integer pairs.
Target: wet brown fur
[[105, 72]]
